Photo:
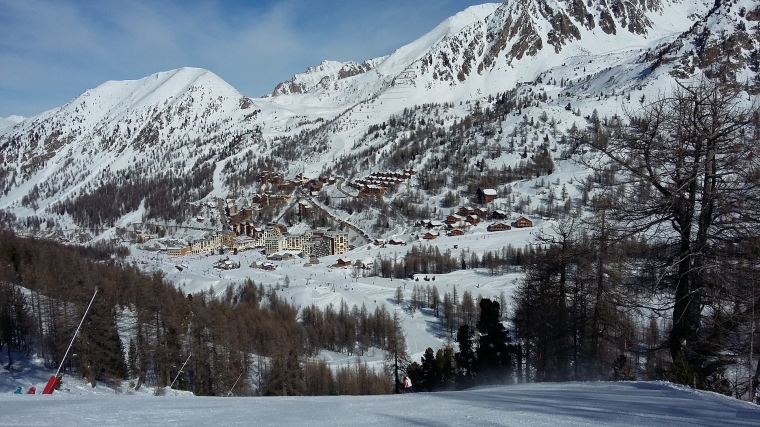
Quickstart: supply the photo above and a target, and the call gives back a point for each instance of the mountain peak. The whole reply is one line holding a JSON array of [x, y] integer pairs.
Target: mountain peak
[[322, 75], [9, 122]]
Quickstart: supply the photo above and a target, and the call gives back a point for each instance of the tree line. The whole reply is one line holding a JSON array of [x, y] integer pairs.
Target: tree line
[[660, 280], [142, 329]]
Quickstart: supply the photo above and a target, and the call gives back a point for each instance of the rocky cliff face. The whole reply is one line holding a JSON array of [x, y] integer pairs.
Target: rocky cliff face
[[723, 44]]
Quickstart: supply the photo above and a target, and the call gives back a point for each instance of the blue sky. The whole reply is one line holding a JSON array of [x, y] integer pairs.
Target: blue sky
[[52, 51]]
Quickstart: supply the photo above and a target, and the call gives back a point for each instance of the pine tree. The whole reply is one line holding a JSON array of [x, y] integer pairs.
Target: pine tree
[[465, 358], [285, 377], [494, 353]]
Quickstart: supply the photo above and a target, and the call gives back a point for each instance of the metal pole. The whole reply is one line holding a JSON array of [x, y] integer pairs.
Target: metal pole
[[180, 370], [752, 349], [75, 333], [236, 381]]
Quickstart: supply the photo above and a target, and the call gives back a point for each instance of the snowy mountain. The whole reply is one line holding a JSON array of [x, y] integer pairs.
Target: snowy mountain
[[9, 122], [321, 76], [595, 55]]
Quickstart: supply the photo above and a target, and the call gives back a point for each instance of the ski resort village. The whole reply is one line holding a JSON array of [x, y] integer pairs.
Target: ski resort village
[[535, 212]]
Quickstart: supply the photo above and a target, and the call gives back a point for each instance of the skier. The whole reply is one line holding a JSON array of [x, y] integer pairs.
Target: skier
[[18, 390], [408, 385], [32, 390]]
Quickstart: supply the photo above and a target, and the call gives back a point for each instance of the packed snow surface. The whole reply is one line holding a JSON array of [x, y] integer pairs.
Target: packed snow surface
[[564, 404]]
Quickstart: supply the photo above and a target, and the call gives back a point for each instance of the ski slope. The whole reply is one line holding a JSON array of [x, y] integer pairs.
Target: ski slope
[[532, 405]]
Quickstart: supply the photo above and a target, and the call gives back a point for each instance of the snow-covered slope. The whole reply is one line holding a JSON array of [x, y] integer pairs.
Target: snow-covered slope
[[9, 122], [166, 116], [531, 405]]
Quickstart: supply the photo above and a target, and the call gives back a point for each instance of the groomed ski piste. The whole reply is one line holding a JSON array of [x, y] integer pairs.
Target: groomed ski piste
[[532, 405]]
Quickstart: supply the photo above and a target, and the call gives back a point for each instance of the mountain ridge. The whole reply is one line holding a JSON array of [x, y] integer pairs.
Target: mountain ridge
[[566, 52]]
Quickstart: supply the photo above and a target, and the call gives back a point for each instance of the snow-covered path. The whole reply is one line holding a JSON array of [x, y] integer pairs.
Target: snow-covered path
[[564, 404]]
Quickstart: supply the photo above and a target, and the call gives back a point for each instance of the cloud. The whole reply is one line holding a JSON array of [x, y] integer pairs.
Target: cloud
[[52, 51]]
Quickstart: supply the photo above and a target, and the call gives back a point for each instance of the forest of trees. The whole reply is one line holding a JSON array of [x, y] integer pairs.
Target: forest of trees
[[659, 282], [141, 328]]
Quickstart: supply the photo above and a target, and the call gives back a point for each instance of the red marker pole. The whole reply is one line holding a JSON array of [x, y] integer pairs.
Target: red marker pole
[[55, 379]]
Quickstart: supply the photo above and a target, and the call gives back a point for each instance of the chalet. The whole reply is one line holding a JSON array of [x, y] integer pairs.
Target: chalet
[[396, 242], [372, 190], [343, 262], [466, 210], [498, 214], [523, 222], [499, 226], [460, 224], [315, 185], [472, 219], [483, 213], [379, 242], [226, 264], [456, 232], [453, 219], [430, 235], [486, 195]]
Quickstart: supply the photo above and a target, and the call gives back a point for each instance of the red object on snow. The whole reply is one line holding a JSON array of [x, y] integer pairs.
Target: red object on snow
[[51, 385], [32, 390]]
